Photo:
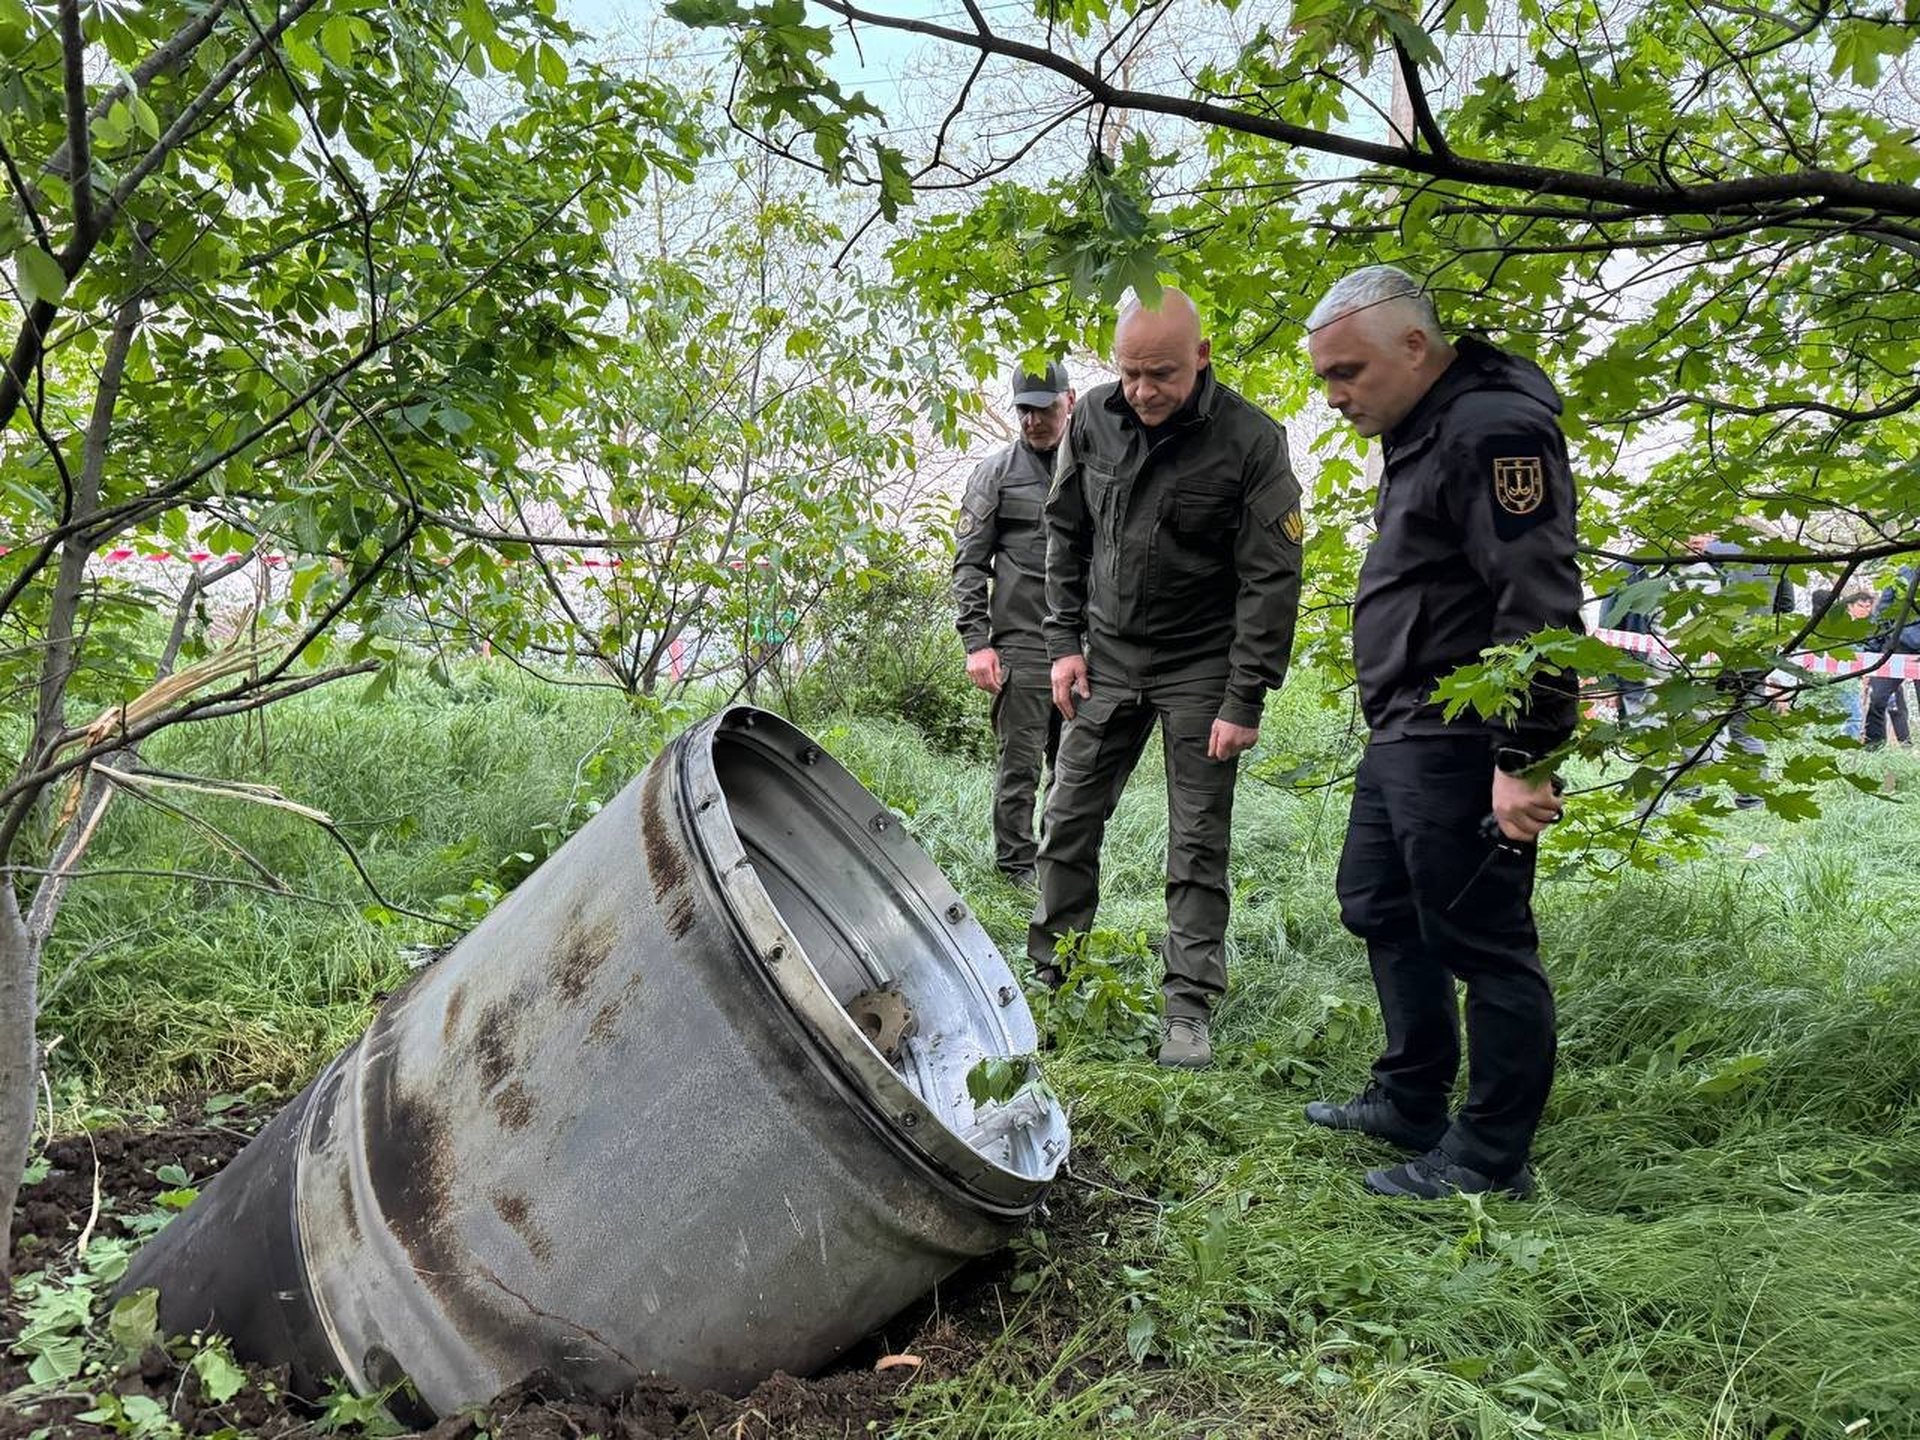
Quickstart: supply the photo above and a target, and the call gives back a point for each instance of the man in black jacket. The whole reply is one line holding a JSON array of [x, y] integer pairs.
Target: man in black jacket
[[1173, 581], [1474, 547], [1000, 594]]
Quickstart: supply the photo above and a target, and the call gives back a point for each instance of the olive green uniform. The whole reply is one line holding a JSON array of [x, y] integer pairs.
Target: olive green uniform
[[1173, 564], [999, 590]]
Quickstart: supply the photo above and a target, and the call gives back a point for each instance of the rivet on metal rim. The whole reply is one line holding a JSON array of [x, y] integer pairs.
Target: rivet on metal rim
[[810, 755], [879, 824], [1006, 994], [956, 912], [777, 951]]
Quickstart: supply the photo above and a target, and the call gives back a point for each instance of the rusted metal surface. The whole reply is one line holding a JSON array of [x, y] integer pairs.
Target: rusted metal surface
[[628, 1127]]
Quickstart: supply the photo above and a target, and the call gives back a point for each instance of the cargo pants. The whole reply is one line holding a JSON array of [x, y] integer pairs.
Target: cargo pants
[[1026, 732], [1437, 904], [1098, 750]]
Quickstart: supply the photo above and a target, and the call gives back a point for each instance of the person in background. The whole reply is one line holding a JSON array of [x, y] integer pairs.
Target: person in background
[[999, 592], [1897, 632], [1746, 690], [1628, 608]]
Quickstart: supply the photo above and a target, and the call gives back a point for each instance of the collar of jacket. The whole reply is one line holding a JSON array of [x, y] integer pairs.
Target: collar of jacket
[[1196, 407], [1043, 457], [1477, 365]]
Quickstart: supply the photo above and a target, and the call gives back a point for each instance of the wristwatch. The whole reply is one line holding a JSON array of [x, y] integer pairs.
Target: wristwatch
[[1510, 761]]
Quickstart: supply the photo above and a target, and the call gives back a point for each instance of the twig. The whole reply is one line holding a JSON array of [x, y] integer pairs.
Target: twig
[[93, 1214]]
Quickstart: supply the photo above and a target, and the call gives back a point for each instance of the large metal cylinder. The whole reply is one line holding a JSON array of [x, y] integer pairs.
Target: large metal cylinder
[[691, 1102]]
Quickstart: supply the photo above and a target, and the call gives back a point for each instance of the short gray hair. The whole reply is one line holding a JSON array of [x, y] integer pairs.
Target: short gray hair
[[1377, 285]]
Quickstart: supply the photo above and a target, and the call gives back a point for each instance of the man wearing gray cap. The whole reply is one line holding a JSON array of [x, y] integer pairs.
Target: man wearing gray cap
[[999, 589]]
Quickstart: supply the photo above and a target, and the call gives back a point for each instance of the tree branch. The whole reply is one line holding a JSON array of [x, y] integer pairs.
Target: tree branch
[[1704, 199], [25, 196], [1422, 110], [57, 663], [73, 60], [31, 343]]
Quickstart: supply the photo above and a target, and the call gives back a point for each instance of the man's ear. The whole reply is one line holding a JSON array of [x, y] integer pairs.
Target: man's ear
[[1418, 345], [1205, 354]]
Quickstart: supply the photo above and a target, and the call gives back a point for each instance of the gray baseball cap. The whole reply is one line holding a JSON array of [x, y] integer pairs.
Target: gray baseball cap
[[1042, 389]]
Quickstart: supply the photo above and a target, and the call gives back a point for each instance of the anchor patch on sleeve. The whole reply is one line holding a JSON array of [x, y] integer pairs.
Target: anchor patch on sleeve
[[1519, 483]]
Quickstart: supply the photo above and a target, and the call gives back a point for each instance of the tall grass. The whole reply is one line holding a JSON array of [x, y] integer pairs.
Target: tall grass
[[1727, 1241]]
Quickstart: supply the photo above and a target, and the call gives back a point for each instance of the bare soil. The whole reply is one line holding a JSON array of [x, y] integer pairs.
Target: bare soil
[[852, 1399]]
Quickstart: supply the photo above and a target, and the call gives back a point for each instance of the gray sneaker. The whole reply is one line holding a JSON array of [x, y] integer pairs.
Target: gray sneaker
[[1184, 1044]]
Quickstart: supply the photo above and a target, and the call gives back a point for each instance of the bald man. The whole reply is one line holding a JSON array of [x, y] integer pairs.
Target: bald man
[[1173, 582]]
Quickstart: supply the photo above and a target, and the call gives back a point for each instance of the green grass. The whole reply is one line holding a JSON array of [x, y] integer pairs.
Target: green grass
[[1728, 1238]]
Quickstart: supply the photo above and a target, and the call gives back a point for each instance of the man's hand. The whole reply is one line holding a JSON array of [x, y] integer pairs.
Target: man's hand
[[983, 669], [1524, 807], [1069, 680], [1229, 740]]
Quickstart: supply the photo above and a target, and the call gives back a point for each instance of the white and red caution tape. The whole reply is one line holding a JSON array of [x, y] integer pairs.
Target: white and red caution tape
[[1884, 667]]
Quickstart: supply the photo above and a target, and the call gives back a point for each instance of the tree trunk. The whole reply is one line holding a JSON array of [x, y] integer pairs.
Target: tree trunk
[[19, 1059]]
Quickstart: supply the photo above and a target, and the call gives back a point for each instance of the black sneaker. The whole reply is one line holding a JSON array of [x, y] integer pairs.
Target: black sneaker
[[1021, 878], [1436, 1175], [1372, 1113]]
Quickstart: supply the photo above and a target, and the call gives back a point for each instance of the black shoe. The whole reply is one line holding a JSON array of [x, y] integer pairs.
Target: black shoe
[[1023, 877], [1049, 975], [1436, 1175], [1372, 1113]]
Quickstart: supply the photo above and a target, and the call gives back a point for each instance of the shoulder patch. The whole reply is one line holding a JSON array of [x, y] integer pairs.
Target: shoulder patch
[[1524, 475], [1519, 483], [1292, 525], [969, 522]]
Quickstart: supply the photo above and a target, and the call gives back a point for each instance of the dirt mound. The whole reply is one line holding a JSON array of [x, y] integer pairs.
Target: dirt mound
[[54, 1212]]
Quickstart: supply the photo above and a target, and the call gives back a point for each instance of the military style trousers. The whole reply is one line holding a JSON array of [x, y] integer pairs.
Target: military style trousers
[[1026, 731], [1436, 902], [1886, 706], [1098, 750]]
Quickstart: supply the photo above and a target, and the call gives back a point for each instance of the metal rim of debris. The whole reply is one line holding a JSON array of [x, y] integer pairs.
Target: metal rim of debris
[[873, 1087]]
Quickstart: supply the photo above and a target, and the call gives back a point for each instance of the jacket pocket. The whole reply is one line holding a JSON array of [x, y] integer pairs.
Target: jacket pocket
[[1201, 512]]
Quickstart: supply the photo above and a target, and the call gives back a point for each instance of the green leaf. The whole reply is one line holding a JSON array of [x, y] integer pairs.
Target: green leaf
[[336, 38], [1736, 1074], [143, 115], [56, 1358], [552, 65], [134, 1323], [219, 1377], [1140, 1332], [40, 275], [994, 1079], [380, 685], [1415, 41]]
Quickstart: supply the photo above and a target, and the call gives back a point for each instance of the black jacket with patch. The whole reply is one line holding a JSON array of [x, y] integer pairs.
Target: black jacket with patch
[[1474, 547], [1174, 556], [1000, 554]]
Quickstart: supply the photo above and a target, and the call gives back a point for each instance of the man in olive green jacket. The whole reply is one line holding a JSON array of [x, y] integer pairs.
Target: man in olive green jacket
[[1173, 583], [999, 590]]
